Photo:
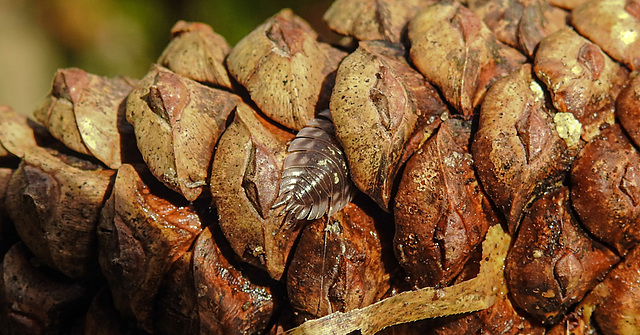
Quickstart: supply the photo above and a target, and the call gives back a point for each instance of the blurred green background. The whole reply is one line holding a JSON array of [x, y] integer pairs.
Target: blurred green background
[[113, 37]]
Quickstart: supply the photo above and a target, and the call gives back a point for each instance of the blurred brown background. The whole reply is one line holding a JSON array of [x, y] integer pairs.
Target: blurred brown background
[[112, 37]]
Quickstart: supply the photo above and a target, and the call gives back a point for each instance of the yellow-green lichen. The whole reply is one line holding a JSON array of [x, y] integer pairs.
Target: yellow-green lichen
[[568, 128]]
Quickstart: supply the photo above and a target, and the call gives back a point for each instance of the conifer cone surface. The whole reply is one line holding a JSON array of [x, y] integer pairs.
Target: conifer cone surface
[[149, 205]]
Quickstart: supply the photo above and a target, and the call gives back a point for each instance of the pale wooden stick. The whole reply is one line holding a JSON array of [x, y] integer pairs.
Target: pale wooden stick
[[471, 295]]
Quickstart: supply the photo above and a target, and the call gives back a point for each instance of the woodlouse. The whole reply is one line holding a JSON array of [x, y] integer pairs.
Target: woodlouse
[[315, 178]]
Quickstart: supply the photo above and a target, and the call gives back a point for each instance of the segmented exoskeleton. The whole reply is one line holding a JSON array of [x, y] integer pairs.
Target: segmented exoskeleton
[[315, 178]]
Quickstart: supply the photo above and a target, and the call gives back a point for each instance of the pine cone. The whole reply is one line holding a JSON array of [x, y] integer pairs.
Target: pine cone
[[154, 206]]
